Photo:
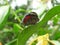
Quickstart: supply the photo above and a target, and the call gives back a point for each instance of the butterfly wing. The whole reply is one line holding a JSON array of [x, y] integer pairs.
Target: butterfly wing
[[26, 20], [30, 19]]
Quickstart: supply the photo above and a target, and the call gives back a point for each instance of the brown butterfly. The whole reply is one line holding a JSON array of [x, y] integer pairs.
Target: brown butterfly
[[30, 19]]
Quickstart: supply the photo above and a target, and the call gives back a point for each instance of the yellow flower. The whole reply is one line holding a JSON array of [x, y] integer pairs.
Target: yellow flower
[[0, 43], [41, 40]]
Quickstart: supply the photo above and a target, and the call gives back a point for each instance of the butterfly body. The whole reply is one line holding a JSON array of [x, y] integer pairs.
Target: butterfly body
[[30, 19]]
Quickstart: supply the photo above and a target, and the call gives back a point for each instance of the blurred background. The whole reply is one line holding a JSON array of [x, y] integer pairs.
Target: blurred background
[[19, 8]]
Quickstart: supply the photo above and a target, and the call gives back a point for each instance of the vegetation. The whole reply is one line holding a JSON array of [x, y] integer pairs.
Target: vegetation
[[13, 32]]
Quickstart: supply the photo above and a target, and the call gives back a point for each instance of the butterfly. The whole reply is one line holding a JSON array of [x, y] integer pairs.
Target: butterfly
[[30, 19]]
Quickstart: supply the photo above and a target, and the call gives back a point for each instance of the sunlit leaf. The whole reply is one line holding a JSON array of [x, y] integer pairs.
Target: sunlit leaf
[[4, 12]]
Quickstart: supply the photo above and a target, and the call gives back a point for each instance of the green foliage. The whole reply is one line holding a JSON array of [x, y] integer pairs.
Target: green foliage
[[4, 15], [17, 33], [16, 28], [56, 35], [22, 37]]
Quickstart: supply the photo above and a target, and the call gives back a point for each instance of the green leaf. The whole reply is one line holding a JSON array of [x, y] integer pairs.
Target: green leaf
[[16, 28], [13, 42], [56, 35], [55, 20], [26, 33], [4, 12]]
